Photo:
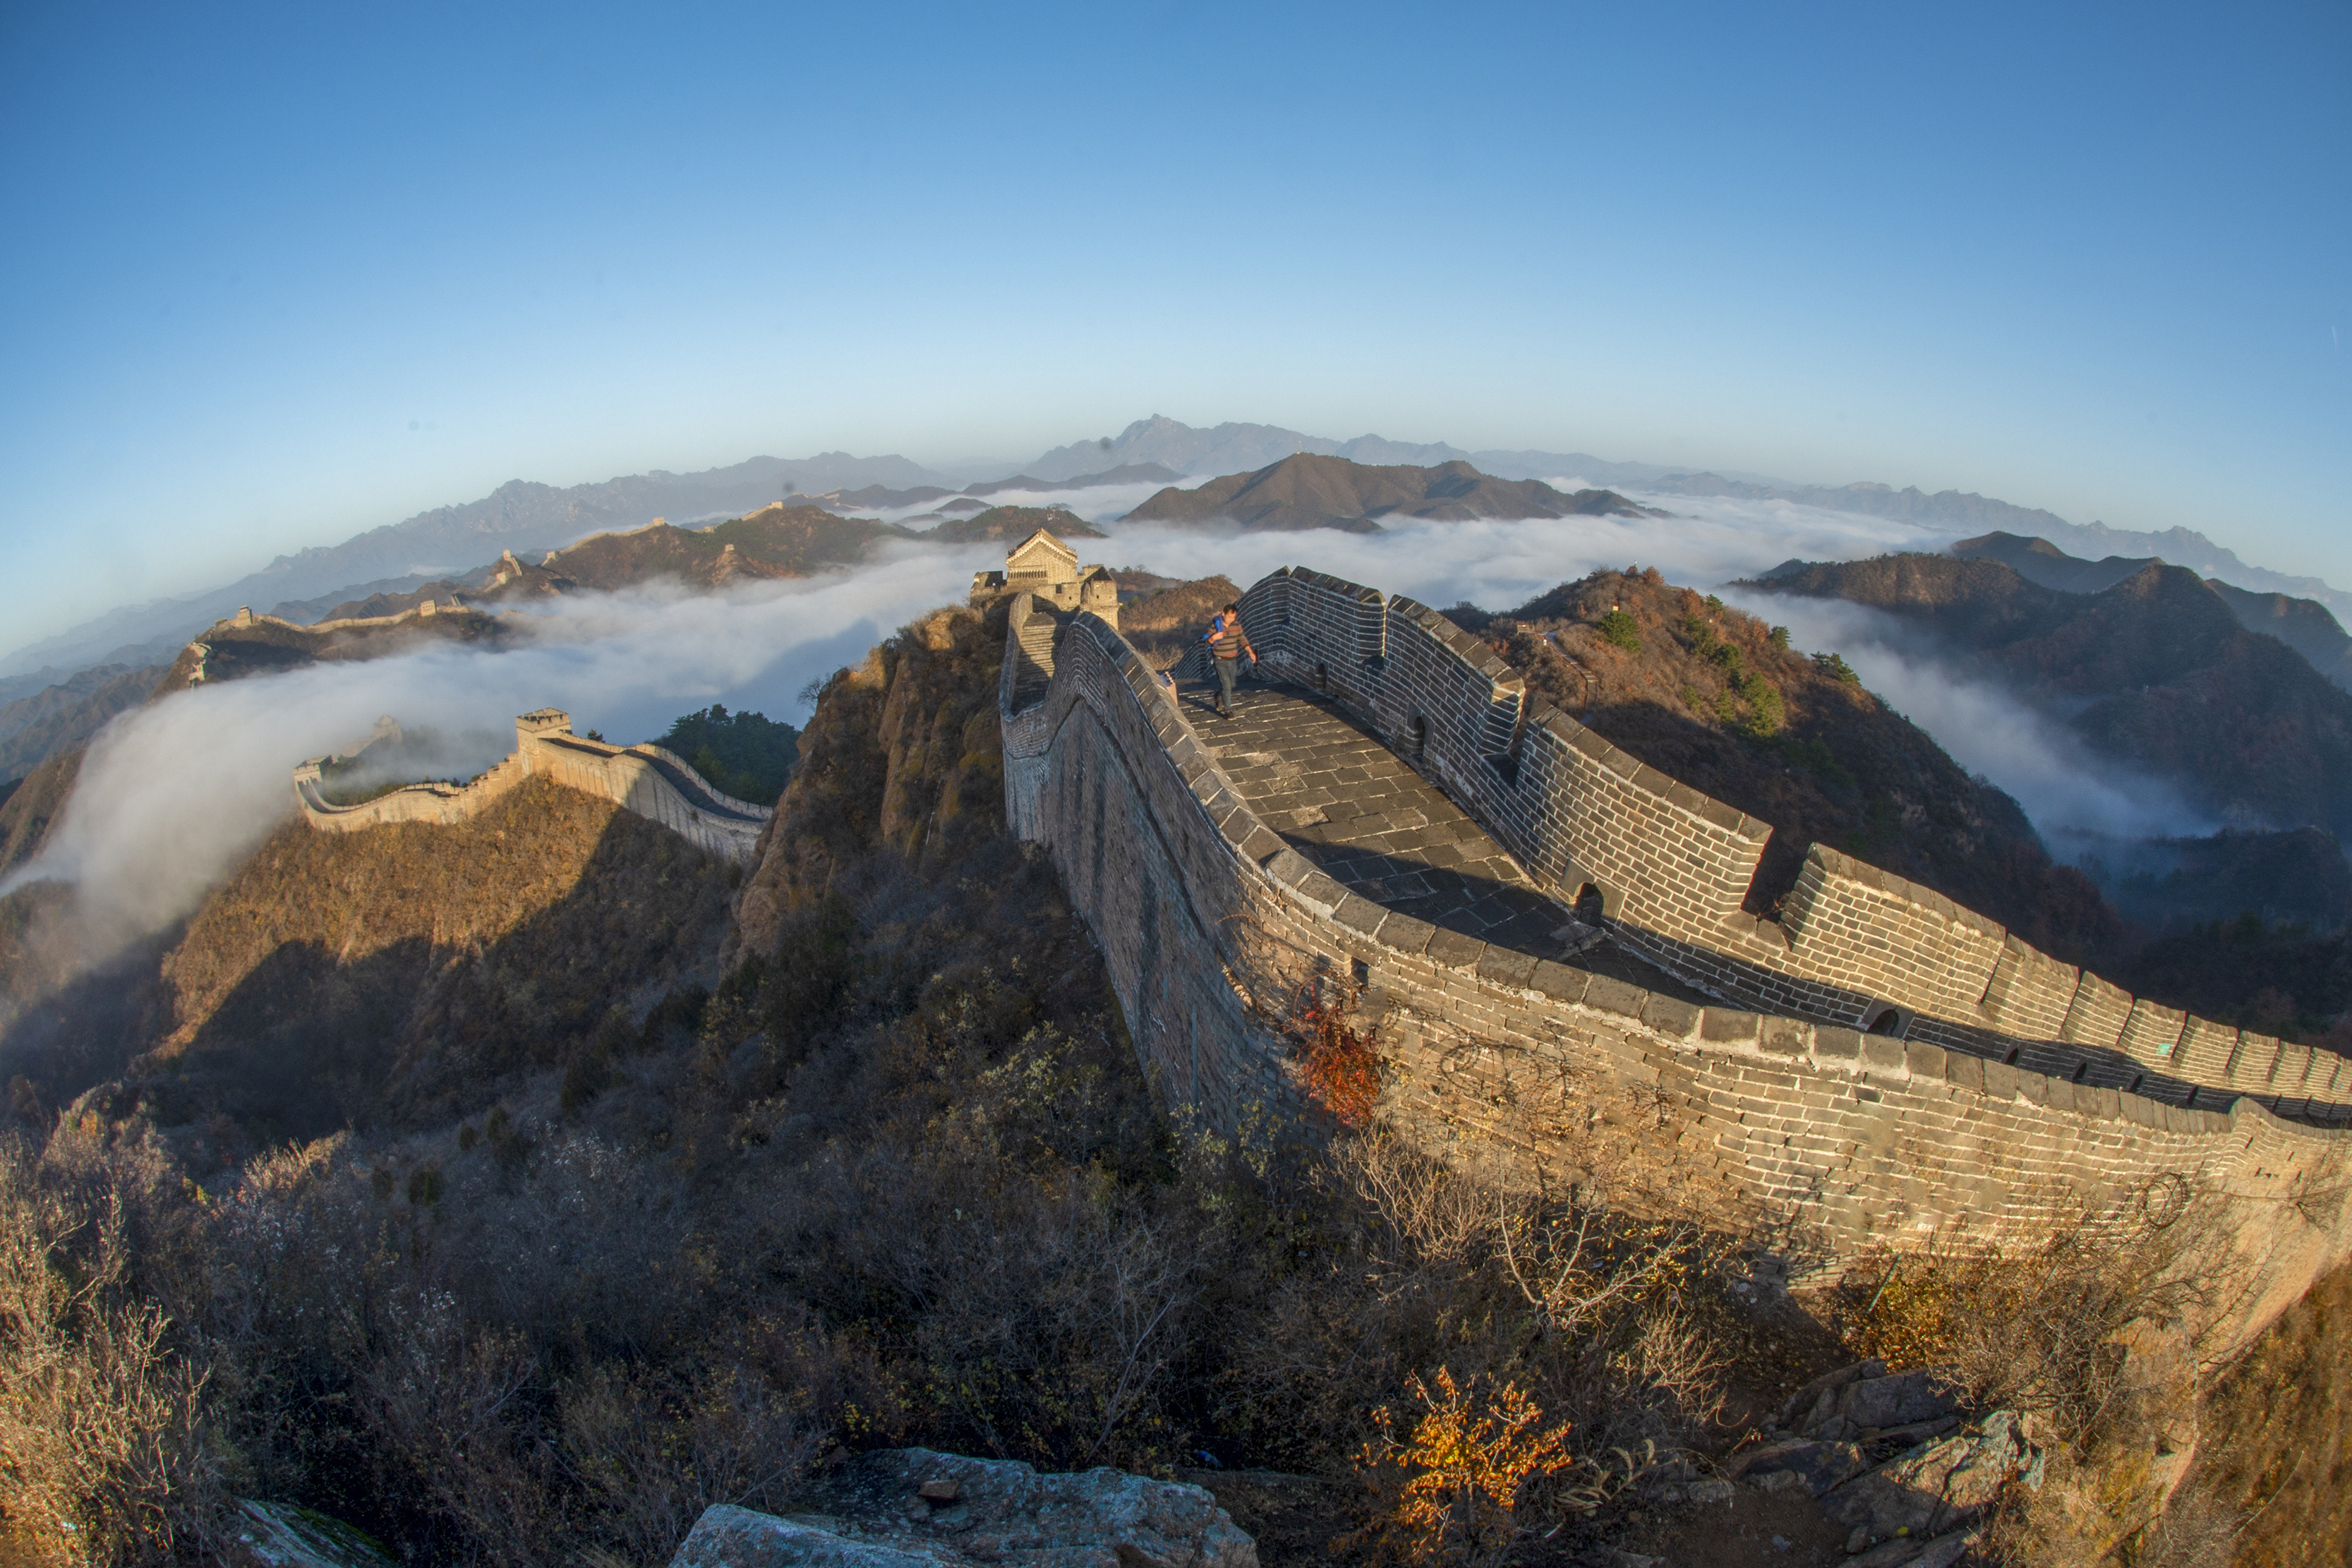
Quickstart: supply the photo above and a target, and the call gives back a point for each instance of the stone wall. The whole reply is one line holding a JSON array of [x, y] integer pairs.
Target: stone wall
[[1834, 1140], [647, 779], [1672, 868]]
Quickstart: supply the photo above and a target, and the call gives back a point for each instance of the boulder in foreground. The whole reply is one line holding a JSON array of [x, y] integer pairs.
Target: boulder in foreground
[[914, 1507]]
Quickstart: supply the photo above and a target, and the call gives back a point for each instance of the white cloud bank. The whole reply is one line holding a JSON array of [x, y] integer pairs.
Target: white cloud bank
[[2039, 761], [173, 795]]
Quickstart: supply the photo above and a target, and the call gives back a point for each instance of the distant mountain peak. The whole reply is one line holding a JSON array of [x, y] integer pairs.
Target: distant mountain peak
[[1314, 491]]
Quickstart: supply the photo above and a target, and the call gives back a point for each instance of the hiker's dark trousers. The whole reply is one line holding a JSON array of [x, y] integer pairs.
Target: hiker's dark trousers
[[1228, 671]]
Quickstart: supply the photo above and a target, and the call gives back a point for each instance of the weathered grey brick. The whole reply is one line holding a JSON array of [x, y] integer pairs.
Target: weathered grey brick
[[1454, 949], [1505, 967], [1613, 995], [1671, 1016], [1724, 1024], [1561, 982]]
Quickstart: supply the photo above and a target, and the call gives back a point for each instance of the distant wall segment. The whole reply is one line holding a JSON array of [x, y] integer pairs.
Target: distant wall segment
[[648, 780], [1209, 922]]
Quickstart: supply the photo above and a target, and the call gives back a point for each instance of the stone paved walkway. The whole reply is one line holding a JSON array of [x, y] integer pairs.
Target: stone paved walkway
[[1341, 798]]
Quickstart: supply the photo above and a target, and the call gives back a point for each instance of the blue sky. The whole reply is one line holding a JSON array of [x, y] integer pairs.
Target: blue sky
[[277, 274]]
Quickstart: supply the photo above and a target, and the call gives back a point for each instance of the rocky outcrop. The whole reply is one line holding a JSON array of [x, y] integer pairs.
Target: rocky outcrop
[[1890, 1459], [914, 1507], [281, 1535]]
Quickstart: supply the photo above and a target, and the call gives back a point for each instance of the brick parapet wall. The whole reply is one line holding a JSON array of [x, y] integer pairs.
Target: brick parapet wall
[[1856, 944], [1843, 1142], [649, 780], [1024, 717]]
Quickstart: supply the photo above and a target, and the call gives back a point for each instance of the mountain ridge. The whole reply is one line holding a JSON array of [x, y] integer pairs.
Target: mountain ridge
[[519, 515], [2155, 672], [1314, 490], [529, 517], [2305, 625]]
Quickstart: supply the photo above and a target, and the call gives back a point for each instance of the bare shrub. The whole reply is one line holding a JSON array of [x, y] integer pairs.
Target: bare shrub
[[2039, 1330], [102, 1419], [1414, 1265], [654, 1448]]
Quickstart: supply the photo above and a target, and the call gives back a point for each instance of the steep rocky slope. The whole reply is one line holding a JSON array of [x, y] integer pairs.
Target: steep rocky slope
[[1305, 490], [372, 976], [2155, 671], [2274, 1461], [33, 806], [903, 753]]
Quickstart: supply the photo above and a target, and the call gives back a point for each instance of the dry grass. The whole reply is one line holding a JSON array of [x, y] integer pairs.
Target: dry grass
[[2274, 1445], [103, 1443]]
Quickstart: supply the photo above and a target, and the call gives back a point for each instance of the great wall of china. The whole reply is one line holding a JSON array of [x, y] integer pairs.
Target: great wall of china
[[1874, 1069], [645, 779], [1877, 1067]]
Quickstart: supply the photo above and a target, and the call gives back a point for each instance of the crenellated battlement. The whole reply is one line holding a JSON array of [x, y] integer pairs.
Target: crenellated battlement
[[648, 780], [1855, 945]]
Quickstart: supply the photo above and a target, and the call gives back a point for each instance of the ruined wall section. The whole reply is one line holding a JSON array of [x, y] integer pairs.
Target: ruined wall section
[[648, 780], [1837, 1141], [1855, 945]]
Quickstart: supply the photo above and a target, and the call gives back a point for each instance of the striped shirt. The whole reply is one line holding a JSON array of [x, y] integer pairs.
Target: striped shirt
[[1229, 641]]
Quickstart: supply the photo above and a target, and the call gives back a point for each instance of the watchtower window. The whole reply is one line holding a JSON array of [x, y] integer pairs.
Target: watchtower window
[[1420, 736], [1322, 677], [1590, 905], [1888, 1021]]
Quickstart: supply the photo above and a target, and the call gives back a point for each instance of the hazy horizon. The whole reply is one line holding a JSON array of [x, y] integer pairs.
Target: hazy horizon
[[287, 276], [174, 792]]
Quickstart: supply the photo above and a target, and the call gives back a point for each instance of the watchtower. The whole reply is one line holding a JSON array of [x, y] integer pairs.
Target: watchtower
[[1043, 565], [541, 721]]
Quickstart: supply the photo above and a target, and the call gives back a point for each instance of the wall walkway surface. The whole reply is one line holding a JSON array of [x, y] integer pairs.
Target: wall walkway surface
[[646, 779], [1836, 1140]]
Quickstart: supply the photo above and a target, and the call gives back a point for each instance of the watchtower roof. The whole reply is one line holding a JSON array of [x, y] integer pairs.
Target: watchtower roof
[[1034, 551]]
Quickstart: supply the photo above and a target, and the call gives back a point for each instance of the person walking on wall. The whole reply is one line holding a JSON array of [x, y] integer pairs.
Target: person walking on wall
[[1228, 642]]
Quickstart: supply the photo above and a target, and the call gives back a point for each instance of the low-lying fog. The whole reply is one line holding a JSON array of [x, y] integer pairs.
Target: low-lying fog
[[173, 795], [1093, 503]]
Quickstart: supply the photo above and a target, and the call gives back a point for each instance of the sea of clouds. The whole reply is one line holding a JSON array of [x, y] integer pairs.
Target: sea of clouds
[[173, 795]]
